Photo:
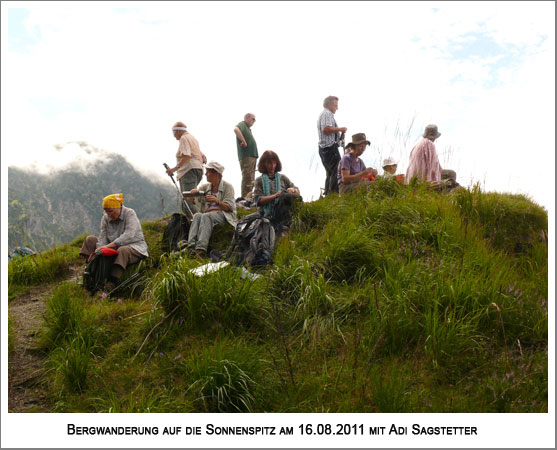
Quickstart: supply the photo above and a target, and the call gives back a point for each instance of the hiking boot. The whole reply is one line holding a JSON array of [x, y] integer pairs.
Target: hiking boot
[[200, 253]]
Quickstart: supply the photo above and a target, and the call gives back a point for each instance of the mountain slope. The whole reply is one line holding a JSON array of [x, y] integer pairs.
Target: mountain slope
[[47, 210]]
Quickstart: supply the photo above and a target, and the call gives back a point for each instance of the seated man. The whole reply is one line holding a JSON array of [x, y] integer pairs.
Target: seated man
[[352, 172], [217, 206], [121, 231]]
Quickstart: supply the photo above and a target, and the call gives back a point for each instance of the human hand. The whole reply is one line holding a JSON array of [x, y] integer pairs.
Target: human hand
[[169, 171], [343, 129], [243, 144], [211, 198], [291, 190], [194, 191]]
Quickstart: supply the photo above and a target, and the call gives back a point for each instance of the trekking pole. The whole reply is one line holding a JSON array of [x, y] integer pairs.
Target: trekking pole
[[190, 213]]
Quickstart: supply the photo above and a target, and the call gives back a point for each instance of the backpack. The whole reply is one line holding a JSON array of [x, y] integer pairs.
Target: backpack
[[177, 230], [281, 213], [98, 269], [253, 242]]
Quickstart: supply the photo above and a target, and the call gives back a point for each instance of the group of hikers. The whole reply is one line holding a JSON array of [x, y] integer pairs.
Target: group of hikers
[[273, 193]]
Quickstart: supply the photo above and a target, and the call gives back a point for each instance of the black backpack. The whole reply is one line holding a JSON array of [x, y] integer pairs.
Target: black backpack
[[253, 242], [281, 213], [97, 271], [177, 230]]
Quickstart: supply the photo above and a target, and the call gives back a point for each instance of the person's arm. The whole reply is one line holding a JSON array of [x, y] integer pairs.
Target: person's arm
[[102, 241], [263, 200], [290, 188], [132, 230], [331, 130], [184, 151], [349, 179], [240, 137]]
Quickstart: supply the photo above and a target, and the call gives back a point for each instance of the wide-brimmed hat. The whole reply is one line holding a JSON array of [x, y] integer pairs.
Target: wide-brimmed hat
[[215, 166], [358, 138], [389, 162], [431, 131]]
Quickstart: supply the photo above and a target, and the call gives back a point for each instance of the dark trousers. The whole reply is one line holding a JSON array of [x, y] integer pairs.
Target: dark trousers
[[330, 157]]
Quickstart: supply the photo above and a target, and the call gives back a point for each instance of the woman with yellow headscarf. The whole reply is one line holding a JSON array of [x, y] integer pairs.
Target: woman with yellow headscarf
[[121, 231]]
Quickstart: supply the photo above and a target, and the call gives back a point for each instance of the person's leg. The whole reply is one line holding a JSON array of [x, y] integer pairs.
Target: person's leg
[[89, 246], [189, 181], [208, 221], [247, 165], [126, 256], [193, 235], [330, 158]]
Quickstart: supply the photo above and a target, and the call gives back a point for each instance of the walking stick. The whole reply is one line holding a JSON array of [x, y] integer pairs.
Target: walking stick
[[190, 214]]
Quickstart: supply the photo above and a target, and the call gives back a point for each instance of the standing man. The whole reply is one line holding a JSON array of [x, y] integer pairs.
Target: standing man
[[247, 154], [329, 136], [189, 162]]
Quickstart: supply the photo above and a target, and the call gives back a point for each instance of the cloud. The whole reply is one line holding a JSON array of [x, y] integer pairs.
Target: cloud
[[119, 79]]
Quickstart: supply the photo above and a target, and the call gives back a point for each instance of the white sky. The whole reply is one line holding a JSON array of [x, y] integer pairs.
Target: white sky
[[119, 78]]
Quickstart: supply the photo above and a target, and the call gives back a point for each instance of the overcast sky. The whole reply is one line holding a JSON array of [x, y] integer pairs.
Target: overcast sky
[[119, 77]]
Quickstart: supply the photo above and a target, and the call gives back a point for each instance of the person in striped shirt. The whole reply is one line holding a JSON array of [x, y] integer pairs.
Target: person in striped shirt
[[330, 135]]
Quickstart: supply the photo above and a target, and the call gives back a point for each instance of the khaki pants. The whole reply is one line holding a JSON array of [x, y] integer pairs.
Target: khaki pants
[[201, 228], [126, 255], [189, 181], [247, 164]]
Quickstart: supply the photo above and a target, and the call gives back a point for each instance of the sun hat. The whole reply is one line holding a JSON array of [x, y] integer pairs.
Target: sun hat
[[389, 162], [358, 138], [431, 131], [215, 166], [113, 201]]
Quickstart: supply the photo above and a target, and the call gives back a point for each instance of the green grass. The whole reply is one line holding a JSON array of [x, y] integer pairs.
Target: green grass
[[399, 299]]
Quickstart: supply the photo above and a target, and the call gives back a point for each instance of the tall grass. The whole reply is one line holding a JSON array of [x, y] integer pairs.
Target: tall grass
[[222, 299]]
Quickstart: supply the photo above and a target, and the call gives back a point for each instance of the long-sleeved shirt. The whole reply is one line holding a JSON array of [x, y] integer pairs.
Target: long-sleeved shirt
[[225, 194], [424, 162], [126, 230], [285, 183]]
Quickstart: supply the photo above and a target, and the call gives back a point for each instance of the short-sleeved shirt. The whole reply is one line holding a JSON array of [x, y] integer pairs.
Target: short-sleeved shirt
[[348, 162], [251, 149], [327, 119], [188, 147]]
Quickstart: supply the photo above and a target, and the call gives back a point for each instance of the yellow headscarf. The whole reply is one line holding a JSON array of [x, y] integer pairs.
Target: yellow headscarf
[[113, 201]]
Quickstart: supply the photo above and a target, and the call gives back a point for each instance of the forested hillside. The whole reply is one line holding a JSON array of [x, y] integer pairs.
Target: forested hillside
[[48, 210]]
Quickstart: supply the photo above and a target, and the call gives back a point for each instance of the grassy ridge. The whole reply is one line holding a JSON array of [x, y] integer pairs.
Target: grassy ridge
[[395, 300]]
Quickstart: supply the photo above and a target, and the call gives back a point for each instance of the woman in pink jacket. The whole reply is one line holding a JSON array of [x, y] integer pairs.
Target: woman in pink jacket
[[424, 162]]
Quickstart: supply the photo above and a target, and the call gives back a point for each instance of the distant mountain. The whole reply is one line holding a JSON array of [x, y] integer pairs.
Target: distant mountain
[[47, 210]]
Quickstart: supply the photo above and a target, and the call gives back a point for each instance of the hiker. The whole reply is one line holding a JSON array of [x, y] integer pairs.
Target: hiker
[[247, 154], [389, 167], [424, 162], [389, 170], [217, 206], [329, 137], [121, 231], [189, 162], [269, 188], [352, 172]]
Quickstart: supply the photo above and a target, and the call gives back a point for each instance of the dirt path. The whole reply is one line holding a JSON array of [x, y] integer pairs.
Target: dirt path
[[25, 365]]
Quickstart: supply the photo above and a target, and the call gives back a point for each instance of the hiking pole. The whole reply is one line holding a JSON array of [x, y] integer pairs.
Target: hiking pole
[[190, 215]]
